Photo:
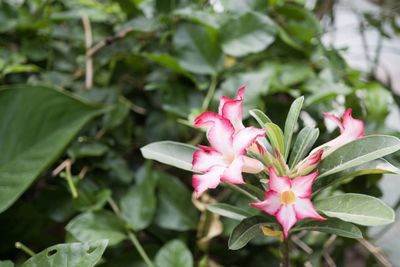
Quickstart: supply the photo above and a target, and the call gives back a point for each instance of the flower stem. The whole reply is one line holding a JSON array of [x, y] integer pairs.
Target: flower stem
[[285, 253], [68, 177]]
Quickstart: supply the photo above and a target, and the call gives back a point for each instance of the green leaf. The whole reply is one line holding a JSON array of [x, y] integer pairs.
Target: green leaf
[[138, 205], [92, 226], [376, 166], [69, 255], [251, 32], [197, 49], [291, 122], [303, 144], [171, 153], [229, 211], [247, 230], [6, 264], [356, 208], [174, 254], [36, 124], [175, 210], [260, 117], [275, 136], [358, 152], [331, 226]]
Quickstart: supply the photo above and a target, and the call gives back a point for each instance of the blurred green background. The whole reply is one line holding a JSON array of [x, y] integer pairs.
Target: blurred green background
[[141, 71]]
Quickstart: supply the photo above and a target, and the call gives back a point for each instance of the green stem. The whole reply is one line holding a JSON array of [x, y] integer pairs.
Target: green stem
[[70, 182], [140, 249], [285, 253], [210, 93], [132, 235], [24, 248], [242, 191]]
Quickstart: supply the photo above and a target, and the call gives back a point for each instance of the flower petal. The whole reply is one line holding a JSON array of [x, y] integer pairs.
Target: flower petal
[[233, 174], [206, 119], [210, 179], [277, 183], [271, 203], [245, 138], [220, 136], [252, 165], [232, 110], [222, 102], [352, 127], [305, 209], [203, 160], [286, 216], [302, 185], [335, 119]]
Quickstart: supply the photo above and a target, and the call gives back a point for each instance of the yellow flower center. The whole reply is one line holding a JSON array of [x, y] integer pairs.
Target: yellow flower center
[[287, 197]]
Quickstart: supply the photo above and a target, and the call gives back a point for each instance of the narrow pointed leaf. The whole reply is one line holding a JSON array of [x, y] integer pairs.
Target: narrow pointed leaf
[[376, 166], [171, 153], [229, 211], [69, 255], [331, 226], [247, 230], [275, 136], [260, 117], [36, 124], [291, 122], [303, 144], [358, 152], [356, 208]]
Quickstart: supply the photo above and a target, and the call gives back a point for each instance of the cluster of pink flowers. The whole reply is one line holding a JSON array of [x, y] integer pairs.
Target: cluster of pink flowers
[[287, 198]]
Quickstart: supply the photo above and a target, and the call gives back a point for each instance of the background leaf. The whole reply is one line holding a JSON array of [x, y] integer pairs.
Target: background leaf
[[174, 254], [228, 211], [331, 226]]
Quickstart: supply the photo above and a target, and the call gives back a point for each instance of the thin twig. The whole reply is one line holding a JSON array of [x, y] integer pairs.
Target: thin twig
[[297, 241], [108, 41], [210, 93], [24, 248], [327, 250], [377, 252], [89, 59]]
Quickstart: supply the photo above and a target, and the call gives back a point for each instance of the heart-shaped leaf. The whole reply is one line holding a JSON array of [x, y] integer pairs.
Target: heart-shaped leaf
[[36, 124], [356, 208]]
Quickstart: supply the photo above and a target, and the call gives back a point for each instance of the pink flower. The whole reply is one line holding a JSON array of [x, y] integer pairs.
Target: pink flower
[[226, 159], [350, 130], [289, 200], [309, 164]]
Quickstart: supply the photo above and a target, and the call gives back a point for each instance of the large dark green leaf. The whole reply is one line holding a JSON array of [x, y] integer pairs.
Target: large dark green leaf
[[92, 226], [175, 210], [249, 33], [36, 124], [372, 167], [69, 255], [197, 49], [356, 208], [174, 254], [247, 230], [332, 226], [171, 153], [358, 152]]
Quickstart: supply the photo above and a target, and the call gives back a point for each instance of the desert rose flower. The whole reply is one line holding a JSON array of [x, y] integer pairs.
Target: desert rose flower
[[226, 159], [289, 200], [309, 164], [350, 130]]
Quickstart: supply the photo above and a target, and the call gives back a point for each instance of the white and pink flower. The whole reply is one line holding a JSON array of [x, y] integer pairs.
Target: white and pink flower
[[226, 159], [289, 200]]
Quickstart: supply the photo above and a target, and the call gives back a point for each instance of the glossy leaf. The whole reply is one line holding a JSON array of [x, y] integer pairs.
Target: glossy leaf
[[247, 230], [358, 152], [92, 226], [69, 255], [175, 210], [251, 32], [171, 153], [331, 226], [376, 166], [303, 144], [228, 211], [197, 49], [174, 254], [275, 136], [356, 208], [291, 122], [36, 124]]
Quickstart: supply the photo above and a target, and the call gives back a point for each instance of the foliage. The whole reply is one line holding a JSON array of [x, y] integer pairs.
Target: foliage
[[70, 164]]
